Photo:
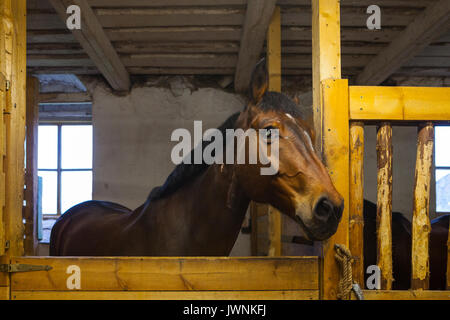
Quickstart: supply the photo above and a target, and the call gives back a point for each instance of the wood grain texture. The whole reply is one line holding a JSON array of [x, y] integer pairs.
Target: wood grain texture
[[399, 103], [172, 274], [96, 44], [257, 19], [166, 295], [384, 204], [356, 224], [421, 226], [31, 182], [426, 27], [336, 152], [406, 295]]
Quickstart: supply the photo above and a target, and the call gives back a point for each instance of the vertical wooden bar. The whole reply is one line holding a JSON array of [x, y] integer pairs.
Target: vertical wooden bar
[[274, 70], [421, 225], [326, 48], [326, 54], [274, 51], [384, 204], [356, 206], [31, 183], [336, 153], [13, 68]]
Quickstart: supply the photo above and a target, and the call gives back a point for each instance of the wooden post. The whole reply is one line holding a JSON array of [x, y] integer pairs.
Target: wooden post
[[421, 226], [13, 68], [384, 204], [356, 224], [336, 152], [274, 70], [326, 49], [30, 209]]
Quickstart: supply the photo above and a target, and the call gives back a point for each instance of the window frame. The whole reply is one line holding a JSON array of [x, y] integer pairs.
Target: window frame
[[436, 168], [59, 170]]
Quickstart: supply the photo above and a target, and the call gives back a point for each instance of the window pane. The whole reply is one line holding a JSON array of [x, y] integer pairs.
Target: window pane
[[48, 147], [76, 147], [49, 191], [443, 190], [76, 187], [442, 138]]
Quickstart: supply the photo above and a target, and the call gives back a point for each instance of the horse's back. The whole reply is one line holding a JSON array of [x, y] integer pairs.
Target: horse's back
[[80, 218]]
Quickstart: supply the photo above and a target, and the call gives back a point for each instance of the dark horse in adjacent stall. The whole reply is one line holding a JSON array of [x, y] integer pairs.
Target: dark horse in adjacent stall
[[200, 208], [401, 248]]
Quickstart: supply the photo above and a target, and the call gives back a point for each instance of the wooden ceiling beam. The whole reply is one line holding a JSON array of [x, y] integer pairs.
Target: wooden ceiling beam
[[96, 44], [257, 19], [432, 23]]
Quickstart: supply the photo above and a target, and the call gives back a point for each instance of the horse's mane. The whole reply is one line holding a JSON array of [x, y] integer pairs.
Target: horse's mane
[[184, 173]]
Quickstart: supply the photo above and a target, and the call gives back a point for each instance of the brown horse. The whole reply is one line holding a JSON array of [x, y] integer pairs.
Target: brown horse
[[200, 208]]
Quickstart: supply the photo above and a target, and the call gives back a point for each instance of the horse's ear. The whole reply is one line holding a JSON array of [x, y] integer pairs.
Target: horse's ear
[[259, 82]]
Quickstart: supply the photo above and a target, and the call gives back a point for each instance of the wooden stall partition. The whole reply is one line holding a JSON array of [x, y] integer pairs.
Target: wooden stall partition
[[13, 71], [384, 204], [31, 177], [332, 115], [167, 278], [356, 223], [421, 226], [336, 154]]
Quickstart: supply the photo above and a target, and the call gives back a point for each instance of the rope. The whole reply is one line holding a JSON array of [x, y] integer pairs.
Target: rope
[[345, 259]]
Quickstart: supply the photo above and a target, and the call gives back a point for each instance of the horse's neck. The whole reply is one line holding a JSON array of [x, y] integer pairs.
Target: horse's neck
[[206, 214]]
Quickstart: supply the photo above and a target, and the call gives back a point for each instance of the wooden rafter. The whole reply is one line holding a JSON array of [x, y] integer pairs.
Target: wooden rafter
[[257, 19], [432, 23], [97, 45]]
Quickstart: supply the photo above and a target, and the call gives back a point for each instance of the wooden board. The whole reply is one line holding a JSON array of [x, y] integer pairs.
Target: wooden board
[[166, 295], [399, 103], [406, 295], [384, 204], [171, 274], [421, 227], [356, 223]]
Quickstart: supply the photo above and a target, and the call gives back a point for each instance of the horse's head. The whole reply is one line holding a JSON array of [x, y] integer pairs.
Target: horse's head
[[301, 188]]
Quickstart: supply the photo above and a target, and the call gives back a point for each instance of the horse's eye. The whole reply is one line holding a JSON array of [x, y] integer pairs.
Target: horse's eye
[[270, 133]]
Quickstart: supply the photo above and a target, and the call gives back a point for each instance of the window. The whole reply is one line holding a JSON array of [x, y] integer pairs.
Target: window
[[442, 163], [65, 165]]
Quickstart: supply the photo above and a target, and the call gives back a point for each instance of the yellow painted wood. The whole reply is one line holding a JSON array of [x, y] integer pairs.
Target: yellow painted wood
[[405, 295], [336, 154], [13, 67], [326, 52], [421, 226], [166, 295], [274, 70], [384, 204], [356, 224], [274, 51], [399, 103], [4, 293], [172, 274]]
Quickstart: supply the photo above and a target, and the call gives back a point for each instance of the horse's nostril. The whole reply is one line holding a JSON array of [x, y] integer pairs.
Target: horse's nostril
[[338, 211], [324, 208]]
